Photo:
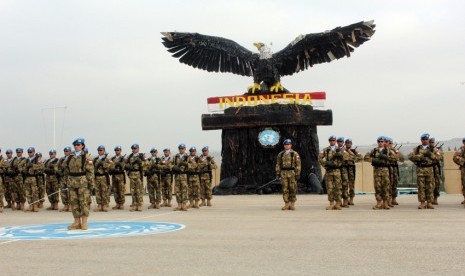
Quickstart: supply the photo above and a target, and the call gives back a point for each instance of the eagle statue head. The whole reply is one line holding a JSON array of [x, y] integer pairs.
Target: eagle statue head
[[265, 52]]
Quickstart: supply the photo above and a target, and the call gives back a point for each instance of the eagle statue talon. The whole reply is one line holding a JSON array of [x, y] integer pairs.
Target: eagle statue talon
[[277, 87], [254, 87]]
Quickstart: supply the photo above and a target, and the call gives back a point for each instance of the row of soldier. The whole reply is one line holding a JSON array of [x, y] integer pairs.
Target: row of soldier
[[29, 179]]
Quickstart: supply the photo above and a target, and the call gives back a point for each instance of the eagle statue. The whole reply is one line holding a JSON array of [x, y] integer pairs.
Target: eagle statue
[[217, 54]]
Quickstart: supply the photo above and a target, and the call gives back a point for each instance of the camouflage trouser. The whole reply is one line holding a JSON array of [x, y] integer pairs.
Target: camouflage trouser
[[394, 181], [194, 187], [41, 188], [351, 180], [345, 182], [52, 188], [180, 188], [154, 189], [101, 190], [119, 188], [8, 186], [166, 186], [381, 182], [79, 196], [31, 189], [389, 189], [462, 174], [1, 192], [333, 184], [425, 182], [136, 188], [205, 186], [64, 193], [18, 194], [289, 186], [437, 181]]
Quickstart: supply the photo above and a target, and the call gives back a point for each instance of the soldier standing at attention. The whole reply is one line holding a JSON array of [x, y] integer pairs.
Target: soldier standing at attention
[[193, 180], [102, 180], [423, 157], [288, 167], [180, 171], [379, 158], [18, 191], [41, 183], [394, 157], [30, 172], [206, 165], [10, 175], [6, 176], [63, 179], [459, 159], [331, 158], [134, 166], [152, 172], [3, 167], [52, 185], [349, 166], [166, 178], [344, 175], [80, 181], [118, 178], [437, 172]]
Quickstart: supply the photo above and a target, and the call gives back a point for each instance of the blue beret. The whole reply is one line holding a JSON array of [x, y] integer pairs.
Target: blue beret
[[52, 151], [349, 140], [381, 139], [79, 141], [166, 149], [432, 140], [425, 136], [205, 148], [39, 153], [117, 148], [287, 142], [101, 147], [19, 150], [135, 146], [67, 148], [332, 137], [340, 139], [31, 149], [153, 150], [181, 146], [9, 151], [192, 149]]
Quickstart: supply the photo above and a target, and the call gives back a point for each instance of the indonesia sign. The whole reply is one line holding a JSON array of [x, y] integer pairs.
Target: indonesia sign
[[316, 99]]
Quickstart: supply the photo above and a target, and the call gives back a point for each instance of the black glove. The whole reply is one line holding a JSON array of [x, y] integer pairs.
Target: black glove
[[175, 169], [330, 163], [427, 154], [209, 158], [383, 156]]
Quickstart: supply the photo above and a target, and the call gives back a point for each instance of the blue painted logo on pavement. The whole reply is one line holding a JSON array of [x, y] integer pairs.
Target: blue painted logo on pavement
[[110, 229]]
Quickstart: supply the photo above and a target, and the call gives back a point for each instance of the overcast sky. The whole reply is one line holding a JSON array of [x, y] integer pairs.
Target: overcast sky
[[104, 60]]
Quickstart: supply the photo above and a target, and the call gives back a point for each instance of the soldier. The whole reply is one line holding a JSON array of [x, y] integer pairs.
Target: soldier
[[437, 172], [193, 180], [423, 157], [52, 186], [459, 159], [332, 158], [152, 172], [3, 167], [379, 158], [348, 169], [134, 166], [206, 165], [18, 194], [394, 159], [344, 175], [118, 178], [41, 184], [62, 174], [179, 169], [288, 167], [10, 180], [166, 178], [4, 183], [31, 171], [80, 181], [102, 179]]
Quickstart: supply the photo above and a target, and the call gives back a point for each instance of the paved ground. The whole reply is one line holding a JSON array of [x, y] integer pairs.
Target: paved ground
[[250, 235]]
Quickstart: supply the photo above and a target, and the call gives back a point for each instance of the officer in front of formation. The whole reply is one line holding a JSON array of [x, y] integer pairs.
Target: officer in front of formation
[[424, 157], [118, 178], [134, 167], [288, 168], [459, 159]]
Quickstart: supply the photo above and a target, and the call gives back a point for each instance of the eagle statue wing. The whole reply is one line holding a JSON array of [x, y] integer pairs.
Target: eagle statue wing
[[211, 53], [308, 50]]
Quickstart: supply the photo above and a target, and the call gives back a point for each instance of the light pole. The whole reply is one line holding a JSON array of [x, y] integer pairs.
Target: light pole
[[54, 120]]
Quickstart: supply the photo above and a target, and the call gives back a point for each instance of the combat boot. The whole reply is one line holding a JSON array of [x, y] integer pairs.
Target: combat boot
[[164, 204], [291, 206], [41, 204], [351, 201], [196, 204], [121, 207], [30, 209], [378, 206], [64, 209], [104, 208], [191, 204], [157, 206], [435, 201], [55, 206], [1, 209], [184, 207], [169, 203], [8, 205], [331, 206], [422, 205], [202, 203], [390, 203], [286, 206], [84, 223], [116, 207], [35, 208], [429, 205], [98, 208], [386, 205], [138, 208], [209, 203], [394, 201], [49, 208], [133, 208], [345, 203], [338, 205], [76, 224], [152, 206], [21, 207], [13, 206], [463, 202], [178, 208]]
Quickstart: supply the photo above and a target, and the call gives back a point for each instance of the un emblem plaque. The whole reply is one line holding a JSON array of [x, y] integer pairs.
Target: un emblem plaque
[[268, 138]]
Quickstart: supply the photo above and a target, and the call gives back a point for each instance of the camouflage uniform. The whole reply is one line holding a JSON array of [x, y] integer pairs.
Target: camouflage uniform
[[80, 181], [348, 174], [53, 186], [31, 172], [41, 189], [332, 159], [134, 166], [62, 181], [3, 167], [437, 174], [206, 165], [118, 179], [180, 186], [379, 158], [102, 182], [459, 159], [288, 167], [394, 173], [152, 172], [193, 181], [424, 157], [18, 193], [166, 180]]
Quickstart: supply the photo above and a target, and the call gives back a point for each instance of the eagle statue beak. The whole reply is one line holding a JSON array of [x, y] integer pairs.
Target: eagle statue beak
[[258, 45]]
